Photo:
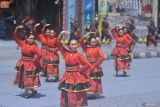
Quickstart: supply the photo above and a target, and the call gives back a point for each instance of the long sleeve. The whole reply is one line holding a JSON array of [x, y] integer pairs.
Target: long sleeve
[[37, 51], [128, 40], [84, 62], [62, 49], [43, 29], [114, 34], [38, 54], [82, 43], [42, 39], [18, 41], [102, 58]]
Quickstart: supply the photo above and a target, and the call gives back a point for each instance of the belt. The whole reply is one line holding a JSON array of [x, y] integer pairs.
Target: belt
[[52, 62], [119, 45], [32, 73], [92, 60], [51, 49], [27, 58], [72, 68]]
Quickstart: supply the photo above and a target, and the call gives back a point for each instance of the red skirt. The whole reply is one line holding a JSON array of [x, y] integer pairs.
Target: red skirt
[[73, 86], [122, 57], [120, 53], [96, 85], [121, 65], [52, 60], [73, 99], [27, 75], [43, 60]]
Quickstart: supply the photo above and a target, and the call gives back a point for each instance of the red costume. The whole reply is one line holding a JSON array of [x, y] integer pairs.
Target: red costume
[[43, 62], [52, 58], [120, 51], [41, 37], [28, 72], [74, 84], [95, 56], [129, 37]]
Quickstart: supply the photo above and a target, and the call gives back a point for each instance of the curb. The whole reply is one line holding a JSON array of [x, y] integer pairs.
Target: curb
[[146, 54], [140, 55]]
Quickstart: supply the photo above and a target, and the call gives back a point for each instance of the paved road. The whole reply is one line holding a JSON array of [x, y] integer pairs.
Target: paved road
[[140, 89]]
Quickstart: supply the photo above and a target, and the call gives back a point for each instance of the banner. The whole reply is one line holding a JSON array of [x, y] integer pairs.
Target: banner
[[139, 10], [88, 14], [102, 8], [71, 13]]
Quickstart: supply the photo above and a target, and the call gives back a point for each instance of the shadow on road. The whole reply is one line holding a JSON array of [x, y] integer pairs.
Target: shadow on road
[[38, 95]]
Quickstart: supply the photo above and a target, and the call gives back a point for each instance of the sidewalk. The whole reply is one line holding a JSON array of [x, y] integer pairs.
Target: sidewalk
[[139, 51]]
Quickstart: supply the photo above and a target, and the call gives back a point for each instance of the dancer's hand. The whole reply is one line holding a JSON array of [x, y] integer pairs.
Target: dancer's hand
[[47, 25], [67, 32], [37, 24], [63, 33], [87, 34], [19, 27]]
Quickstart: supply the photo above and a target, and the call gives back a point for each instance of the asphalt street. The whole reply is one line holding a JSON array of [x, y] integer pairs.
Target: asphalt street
[[141, 88]]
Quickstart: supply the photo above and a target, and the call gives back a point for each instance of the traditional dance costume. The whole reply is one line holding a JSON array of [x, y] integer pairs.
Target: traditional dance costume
[[52, 57], [120, 52], [43, 62], [74, 83], [27, 67], [95, 56]]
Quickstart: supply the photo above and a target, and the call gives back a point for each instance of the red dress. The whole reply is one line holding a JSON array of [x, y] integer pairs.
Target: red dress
[[43, 62], [129, 45], [51, 55], [95, 56], [74, 84], [28, 72], [120, 52]]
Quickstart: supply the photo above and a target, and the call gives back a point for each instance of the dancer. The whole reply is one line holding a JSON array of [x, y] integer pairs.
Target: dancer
[[27, 76], [51, 55], [74, 83], [42, 35], [120, 52], [95, 56], [129, 48]]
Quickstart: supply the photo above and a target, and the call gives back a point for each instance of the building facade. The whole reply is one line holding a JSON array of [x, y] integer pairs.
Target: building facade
[[85, 10]]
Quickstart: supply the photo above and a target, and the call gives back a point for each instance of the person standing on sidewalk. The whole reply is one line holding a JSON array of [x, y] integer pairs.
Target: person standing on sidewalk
[[105, 36], [27, 76], [152, 34], [74, 83], [120, 52], [95, 56]]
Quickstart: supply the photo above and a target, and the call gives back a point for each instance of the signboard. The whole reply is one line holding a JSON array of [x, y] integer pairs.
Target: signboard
[[102, 8], [88, 14], [71, 12]]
